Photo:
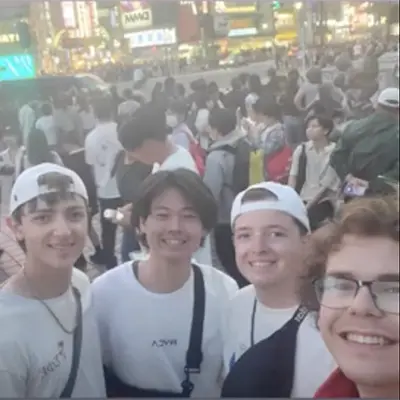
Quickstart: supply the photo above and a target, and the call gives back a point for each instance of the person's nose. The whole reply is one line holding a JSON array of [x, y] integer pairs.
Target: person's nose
[[174, 223], [363, 304], [61, 226]]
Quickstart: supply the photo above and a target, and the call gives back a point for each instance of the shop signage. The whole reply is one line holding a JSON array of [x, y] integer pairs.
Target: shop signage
[[137, 19]]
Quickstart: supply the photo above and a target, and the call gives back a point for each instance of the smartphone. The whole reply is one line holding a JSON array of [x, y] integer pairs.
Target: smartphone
[[354, 191]]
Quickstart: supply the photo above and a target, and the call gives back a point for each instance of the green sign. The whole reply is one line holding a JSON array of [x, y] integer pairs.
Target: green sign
[[16, 67]]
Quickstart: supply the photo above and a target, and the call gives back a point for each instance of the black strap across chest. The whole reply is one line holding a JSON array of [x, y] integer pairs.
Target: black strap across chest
[[194, 354], [267, 368]]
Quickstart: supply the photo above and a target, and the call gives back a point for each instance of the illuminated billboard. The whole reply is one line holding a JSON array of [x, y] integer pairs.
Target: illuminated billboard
[[16, 67]]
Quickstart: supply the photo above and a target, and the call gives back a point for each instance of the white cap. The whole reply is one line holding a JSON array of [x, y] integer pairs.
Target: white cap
[[389, 98], [27, 186], [288, 201]]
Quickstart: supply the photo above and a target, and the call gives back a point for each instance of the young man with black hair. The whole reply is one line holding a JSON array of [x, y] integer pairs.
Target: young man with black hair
[[101, 148], [311, 174], [272, 347], [171, 343], [219, 177], [49, 342]]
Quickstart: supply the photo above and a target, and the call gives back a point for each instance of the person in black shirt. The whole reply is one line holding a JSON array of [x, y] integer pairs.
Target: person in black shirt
[[73, 158]]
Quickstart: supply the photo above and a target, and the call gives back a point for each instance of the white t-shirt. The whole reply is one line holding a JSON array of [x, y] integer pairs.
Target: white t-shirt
[[313, 363], [36, 354], [101, 149], [145, 336], [47, 125]]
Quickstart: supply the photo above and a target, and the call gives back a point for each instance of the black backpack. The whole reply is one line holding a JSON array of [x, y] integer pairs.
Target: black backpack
[[241, 167], [302, 169]]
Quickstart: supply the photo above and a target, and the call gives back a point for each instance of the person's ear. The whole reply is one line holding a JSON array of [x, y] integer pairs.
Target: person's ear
[[16, 228]]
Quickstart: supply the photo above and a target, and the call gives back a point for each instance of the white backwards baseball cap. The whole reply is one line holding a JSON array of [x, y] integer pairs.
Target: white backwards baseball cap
[[389, 98], [28, 186], [288, 201]]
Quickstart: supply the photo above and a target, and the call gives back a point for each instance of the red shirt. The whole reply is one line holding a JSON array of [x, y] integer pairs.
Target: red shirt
[[337, 386]]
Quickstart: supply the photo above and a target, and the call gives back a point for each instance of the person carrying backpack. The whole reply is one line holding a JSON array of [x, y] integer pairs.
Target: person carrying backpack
[[226, 174]]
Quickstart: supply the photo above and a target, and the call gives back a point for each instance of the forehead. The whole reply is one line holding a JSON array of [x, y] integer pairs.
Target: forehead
[[55, 203], [365, 257], [263, 219], [171, 198]]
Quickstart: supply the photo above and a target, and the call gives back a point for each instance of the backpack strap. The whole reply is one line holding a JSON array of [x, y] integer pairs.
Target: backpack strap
[[302, 169], [194, 354]]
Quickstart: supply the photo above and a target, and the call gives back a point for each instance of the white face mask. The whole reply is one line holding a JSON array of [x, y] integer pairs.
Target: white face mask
[[172, 121]]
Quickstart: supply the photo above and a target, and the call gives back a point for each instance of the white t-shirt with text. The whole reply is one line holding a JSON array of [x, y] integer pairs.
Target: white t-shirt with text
[[36, 354], [145, 335]]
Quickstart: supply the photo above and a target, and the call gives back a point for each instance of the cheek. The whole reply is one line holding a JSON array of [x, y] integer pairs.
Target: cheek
[[326, 323]]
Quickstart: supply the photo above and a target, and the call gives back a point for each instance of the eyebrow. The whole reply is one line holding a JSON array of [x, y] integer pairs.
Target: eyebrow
[[267, 227], [49, 209], [159, 208], [380, 278]]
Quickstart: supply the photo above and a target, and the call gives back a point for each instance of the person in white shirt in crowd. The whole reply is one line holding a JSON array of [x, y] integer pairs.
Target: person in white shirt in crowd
[[311, 174], [49, 341], [85, 110], [171, 343], [309, 90], [26, 119], [37, 151], [129, 106], [149, 144], [46, 124], [272, 349], [176, 119], [101, 149], [66, 118]]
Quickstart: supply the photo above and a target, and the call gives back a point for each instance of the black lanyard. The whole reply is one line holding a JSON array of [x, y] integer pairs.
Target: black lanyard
[[298, 317]]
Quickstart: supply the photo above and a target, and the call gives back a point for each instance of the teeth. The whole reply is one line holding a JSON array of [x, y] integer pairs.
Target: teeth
[[173, 242], [361, 339], [261, 264]]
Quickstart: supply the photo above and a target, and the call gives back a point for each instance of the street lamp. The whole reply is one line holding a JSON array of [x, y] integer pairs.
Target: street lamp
[[298, 6]]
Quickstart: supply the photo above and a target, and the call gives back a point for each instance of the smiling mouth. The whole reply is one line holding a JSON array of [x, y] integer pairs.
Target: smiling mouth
[[262, 264], [174, 242], [61, 247], [369, 340]]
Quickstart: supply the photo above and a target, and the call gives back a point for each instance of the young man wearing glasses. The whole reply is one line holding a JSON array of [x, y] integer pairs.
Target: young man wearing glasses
[[354, 268]]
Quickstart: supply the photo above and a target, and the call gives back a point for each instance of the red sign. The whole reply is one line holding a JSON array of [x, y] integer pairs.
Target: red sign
[[188, 25]]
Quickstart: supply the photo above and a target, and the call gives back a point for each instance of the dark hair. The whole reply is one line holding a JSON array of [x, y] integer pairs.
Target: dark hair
[[365, 217], [325, 121], [244, 78], [314, 75], [255, 84], [213, 87], [37, 148], [103, 108], [268, 107], [127, 93], [179, 107], [147, 123], [169, 83], [222, 120], [47, 109], [188, 184], [260, 194]]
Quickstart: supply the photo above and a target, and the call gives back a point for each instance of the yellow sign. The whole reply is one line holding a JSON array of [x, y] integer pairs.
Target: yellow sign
[[10, 38], [286, 36]]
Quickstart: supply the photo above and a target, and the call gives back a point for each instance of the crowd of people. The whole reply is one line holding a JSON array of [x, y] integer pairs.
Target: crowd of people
[[260, 244]]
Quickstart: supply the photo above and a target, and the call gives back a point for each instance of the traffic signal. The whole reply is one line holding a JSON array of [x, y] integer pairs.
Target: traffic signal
[[276, 5], [24, 33]]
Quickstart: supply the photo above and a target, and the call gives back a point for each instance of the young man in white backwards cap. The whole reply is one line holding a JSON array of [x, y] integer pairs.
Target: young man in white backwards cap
[[49, 344], [272, 347]]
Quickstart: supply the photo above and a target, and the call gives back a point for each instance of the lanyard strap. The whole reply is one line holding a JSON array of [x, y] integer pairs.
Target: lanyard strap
[[76, 348], [298, 317]]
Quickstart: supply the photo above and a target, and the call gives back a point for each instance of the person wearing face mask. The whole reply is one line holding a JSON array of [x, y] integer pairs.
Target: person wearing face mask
[[176, 120]]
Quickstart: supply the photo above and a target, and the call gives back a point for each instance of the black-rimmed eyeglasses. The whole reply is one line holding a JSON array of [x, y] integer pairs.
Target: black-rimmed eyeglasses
[[339, 293]]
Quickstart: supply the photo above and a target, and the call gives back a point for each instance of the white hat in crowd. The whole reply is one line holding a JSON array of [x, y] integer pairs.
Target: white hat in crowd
[[288, 201], [28, 185], [389, 98]]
